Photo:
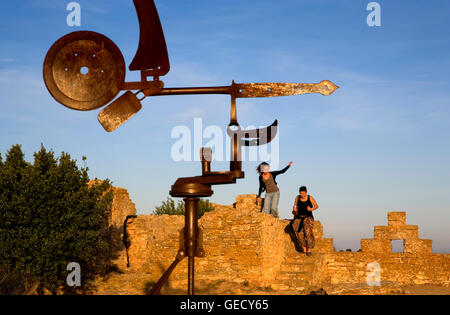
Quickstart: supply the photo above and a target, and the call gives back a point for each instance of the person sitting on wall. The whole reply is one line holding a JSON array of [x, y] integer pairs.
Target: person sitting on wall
[[267, 182], [303, 223]]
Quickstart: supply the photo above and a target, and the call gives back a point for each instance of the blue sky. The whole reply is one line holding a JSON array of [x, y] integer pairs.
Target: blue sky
[[379, 144]]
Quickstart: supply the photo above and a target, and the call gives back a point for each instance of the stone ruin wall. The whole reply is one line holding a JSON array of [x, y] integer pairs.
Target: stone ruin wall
[[244, 245]]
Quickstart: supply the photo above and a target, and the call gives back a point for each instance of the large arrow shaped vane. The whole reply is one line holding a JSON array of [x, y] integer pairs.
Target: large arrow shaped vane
[[284, 89]]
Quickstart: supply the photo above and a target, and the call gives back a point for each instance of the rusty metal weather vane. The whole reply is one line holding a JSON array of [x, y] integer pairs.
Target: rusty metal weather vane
[[85, 71]]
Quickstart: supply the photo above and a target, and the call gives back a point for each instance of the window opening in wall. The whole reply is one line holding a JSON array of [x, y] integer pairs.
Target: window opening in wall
[[398, 246]]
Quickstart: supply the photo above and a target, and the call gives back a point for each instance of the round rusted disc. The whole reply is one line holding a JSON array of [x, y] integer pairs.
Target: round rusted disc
[[84, 70]]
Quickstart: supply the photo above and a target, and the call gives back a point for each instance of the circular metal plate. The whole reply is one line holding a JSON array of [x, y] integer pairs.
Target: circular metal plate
[[84, 70]]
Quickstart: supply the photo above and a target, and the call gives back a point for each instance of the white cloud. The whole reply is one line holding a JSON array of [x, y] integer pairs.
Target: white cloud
[[19, 82], [7, 60]]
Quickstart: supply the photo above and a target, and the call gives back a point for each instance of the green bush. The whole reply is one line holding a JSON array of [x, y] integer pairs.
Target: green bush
[[169, 207], [49, 217]]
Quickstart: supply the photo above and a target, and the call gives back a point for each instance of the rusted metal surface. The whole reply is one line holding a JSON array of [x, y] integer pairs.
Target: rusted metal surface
[[126, 106], [85, 71], [247, 90], [150, 86], [122, 109], [284, 89], [151, 55], [255, 137]]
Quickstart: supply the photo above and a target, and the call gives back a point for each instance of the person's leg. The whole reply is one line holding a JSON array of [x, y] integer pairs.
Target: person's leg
[[305, 240], [301, 237], [267, 202], [274, 204], [309, 235], [295, 225]]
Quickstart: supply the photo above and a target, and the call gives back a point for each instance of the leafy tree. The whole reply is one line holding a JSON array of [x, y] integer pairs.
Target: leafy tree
[[169, 207], [49, 217]]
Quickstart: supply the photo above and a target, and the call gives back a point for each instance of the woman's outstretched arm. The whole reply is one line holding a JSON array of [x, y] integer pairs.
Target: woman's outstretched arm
[[276, 173]]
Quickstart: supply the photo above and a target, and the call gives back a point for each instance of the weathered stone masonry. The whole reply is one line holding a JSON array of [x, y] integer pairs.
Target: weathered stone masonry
[[244, 245]]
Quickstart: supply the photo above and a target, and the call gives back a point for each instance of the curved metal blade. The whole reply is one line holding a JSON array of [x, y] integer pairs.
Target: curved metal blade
[[152, 52], [256, 137]]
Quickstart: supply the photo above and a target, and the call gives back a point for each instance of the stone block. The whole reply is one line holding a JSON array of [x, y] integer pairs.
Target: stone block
[[396, 219], [404, 233], [247, 203], [379, 246], [396, 232], [381, 232], [318, 230], [418, 246], [324, 245], [121, 208]]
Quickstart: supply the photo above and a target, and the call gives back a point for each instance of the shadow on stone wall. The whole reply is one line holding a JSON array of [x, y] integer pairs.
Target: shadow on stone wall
[[290, 231]]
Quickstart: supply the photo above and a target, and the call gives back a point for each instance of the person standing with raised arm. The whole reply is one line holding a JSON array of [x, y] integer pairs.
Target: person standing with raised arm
[[267, 183]]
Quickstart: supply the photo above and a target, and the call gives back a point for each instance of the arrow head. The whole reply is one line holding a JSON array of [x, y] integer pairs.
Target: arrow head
[[327, 87]]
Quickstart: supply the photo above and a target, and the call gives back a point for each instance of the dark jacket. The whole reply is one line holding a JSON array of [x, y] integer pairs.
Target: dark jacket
[[262, 186]]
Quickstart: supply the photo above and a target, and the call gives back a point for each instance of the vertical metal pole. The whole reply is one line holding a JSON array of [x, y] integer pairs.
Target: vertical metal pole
[[191, 230], [191, 265], [236, 158], [235, 163], [233, 120], [206, 156]]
